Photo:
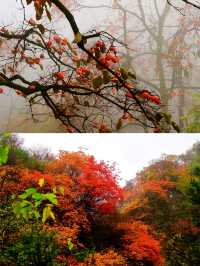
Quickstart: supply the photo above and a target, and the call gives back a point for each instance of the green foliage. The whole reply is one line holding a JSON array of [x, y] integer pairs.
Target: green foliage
[[83, 254], [183, 251], [195, 168], [34, 248], [9, 225], [193, 191], [18, 155], [80, 255], [70, 245], [4, 150], [192, 157], [4, 137], [32, 205]]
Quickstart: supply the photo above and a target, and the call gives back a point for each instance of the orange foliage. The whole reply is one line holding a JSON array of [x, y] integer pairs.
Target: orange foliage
[[161, 187], [70, 260], [70, 163], [138, 195], [161, 169], [70, 217], [9, 182], [109, 258], [64, 233], [83, 188], [140, 244], [95, 182]]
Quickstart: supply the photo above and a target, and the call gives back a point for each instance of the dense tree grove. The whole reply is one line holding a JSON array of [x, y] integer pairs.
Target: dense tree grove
[[70, 210]]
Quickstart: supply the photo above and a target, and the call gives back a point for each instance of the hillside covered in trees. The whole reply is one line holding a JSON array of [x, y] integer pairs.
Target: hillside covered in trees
[[70, 210]]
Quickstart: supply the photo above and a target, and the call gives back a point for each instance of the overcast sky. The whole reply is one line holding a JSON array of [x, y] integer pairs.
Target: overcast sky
[[131, 152], [11, 13]]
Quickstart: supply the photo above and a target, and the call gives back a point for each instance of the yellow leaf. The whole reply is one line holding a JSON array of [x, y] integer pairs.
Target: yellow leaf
[[41, 182], [78, 38], [47, 213], [62, 190], [52, 215]]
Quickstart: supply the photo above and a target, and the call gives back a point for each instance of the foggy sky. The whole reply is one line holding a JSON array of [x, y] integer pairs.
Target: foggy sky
[[13, 112], [131, 152]]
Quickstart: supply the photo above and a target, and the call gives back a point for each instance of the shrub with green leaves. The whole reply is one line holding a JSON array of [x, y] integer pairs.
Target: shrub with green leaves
[[193, 191], [183, 250], [34, 245], [4, 150], [12, 152], [195, 167], [9, 225], [32, 204], [80, 255], [34, 248]]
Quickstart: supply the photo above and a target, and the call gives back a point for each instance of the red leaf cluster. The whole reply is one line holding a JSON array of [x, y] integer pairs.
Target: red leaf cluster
[[140, 244]]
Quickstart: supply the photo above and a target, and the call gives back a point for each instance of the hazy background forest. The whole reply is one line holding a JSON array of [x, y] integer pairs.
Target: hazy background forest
[[163, 51]]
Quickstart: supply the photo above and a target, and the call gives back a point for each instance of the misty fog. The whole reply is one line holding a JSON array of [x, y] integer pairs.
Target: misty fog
[[163, 50]]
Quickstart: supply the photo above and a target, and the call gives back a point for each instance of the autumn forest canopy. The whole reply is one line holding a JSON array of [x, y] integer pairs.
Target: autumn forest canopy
[[136, 71], [69, 209]]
